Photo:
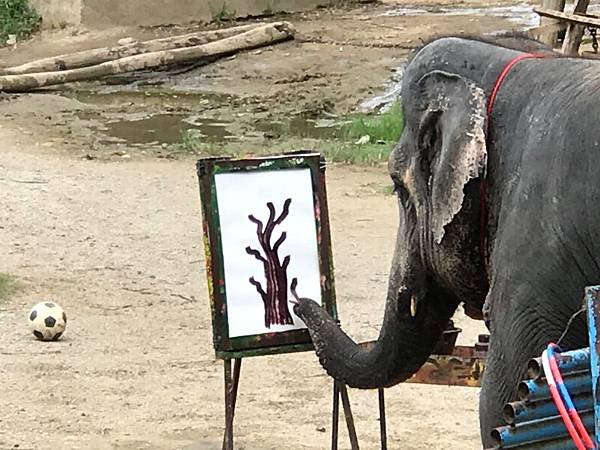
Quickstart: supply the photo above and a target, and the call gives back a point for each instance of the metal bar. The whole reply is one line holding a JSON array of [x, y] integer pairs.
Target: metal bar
[[572, 361], [228, 436], [336, 415], [237, 367], [576, 383], [537, 431], [349, 417], [382, 424], [592, 295], [521, 412]]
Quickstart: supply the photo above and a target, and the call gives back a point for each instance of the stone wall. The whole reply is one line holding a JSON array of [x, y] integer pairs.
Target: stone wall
[[107, 13]]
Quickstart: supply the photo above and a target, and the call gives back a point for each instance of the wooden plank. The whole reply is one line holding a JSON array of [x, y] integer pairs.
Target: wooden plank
[[570, 18]]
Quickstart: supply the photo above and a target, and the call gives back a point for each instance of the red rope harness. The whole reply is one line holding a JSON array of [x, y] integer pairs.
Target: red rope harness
[[483, 186]]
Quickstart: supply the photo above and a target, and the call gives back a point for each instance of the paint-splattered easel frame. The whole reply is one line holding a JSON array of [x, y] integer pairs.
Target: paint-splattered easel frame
[[269, 343]]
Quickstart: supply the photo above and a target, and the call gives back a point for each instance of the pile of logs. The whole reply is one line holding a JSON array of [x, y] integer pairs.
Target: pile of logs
[[199, 47]]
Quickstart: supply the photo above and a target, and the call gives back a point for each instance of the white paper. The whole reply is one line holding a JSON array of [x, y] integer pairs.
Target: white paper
[[242, 194]]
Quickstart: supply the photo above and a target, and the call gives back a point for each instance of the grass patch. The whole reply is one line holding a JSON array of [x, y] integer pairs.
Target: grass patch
[[383, 130], [8, 286], [360, 155], [385, 127], [17, 17]]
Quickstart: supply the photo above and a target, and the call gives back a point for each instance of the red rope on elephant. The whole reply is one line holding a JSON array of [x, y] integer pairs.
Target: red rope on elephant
[[483, 186]]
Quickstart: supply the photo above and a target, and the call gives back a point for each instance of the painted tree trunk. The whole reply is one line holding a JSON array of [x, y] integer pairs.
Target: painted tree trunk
[[275, 296]]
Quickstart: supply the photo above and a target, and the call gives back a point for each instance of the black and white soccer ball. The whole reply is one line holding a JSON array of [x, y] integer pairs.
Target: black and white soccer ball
[[47, 321]]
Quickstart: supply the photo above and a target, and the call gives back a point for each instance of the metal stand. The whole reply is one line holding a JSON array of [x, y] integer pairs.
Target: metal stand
[[231, 388], [340, 390], [232, 382], [382, 425]]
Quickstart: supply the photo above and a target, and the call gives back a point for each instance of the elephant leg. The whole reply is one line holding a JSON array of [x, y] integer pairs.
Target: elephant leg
[[492, 397], [512, 344]]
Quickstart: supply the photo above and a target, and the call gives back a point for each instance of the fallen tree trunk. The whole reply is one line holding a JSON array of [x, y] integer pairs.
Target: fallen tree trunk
[[100, 55], [257, 37]]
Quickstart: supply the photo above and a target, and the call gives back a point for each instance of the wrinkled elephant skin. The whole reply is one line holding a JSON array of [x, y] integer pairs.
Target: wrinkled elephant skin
[[540, 158]]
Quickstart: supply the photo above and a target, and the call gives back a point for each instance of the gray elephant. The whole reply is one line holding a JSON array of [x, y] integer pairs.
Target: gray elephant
[[499, 211]]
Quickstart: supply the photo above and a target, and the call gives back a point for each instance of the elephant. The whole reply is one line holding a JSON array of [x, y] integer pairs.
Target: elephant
[[497, 212]]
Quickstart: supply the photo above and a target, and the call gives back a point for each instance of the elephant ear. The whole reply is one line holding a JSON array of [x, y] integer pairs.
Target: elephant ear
[[451, 140]]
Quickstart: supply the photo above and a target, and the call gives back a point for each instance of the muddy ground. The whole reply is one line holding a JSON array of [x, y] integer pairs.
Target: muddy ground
[[100, 212]]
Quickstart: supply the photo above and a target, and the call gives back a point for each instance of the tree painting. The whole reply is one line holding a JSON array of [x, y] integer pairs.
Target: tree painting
[[275, 294]]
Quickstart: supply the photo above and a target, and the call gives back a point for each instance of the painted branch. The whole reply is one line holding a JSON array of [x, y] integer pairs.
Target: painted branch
[[255, 253], [100, 55], [257, 37]]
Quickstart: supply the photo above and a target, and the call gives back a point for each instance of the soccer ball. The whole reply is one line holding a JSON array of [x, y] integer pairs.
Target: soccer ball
[[47, 321]]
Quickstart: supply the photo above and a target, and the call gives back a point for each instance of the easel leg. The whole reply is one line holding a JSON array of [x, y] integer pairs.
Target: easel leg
[[231, 389], [382, 424], [349, 417], [336, 415]]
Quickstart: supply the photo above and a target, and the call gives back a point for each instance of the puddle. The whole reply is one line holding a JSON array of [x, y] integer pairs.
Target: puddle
[[521, 14], [301, 127], [166, 129]]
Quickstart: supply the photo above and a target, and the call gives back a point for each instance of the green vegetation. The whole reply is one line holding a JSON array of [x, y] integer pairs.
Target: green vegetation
[[7, 286], [17, 17], [224, 15], [359, 139], [385, 127]]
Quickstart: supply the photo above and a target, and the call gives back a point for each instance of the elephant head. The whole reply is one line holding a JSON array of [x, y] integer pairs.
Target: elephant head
[[437, 168]]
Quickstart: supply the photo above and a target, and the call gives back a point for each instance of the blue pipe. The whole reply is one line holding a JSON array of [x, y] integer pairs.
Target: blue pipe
[[537, 431], [576, 383], [573, 361], [555, 444], [519, 412]]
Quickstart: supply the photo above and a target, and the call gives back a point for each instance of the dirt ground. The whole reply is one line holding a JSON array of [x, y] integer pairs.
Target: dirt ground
[[108, 225]]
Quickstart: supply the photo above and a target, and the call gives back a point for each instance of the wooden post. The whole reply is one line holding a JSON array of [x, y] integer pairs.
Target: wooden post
[[575, 32], [551, 38]]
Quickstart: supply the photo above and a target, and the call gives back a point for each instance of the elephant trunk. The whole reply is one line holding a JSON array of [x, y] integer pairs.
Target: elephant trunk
[[417, 312]]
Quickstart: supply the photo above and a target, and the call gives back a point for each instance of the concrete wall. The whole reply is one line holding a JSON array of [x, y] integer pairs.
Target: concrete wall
[[106, 13], [56, 13]]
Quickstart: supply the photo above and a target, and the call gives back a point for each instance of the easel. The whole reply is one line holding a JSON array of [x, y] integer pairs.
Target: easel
[[340, 392]]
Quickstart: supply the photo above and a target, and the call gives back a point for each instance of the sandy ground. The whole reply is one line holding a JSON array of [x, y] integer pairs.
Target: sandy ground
[[117, 242]]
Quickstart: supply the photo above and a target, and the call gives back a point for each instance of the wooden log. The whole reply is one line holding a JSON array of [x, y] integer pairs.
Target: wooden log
[[550, 38], [99, 55], [575, 32], [257, 37]]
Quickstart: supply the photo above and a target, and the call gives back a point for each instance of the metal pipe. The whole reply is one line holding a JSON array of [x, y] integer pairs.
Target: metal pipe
[[523, 411], [592, 295], [576, 383], [537, 431], [554, 444], [573, 361]]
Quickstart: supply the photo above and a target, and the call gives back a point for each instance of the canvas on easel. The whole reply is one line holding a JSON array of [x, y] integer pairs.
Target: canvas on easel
[[265, 227]]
